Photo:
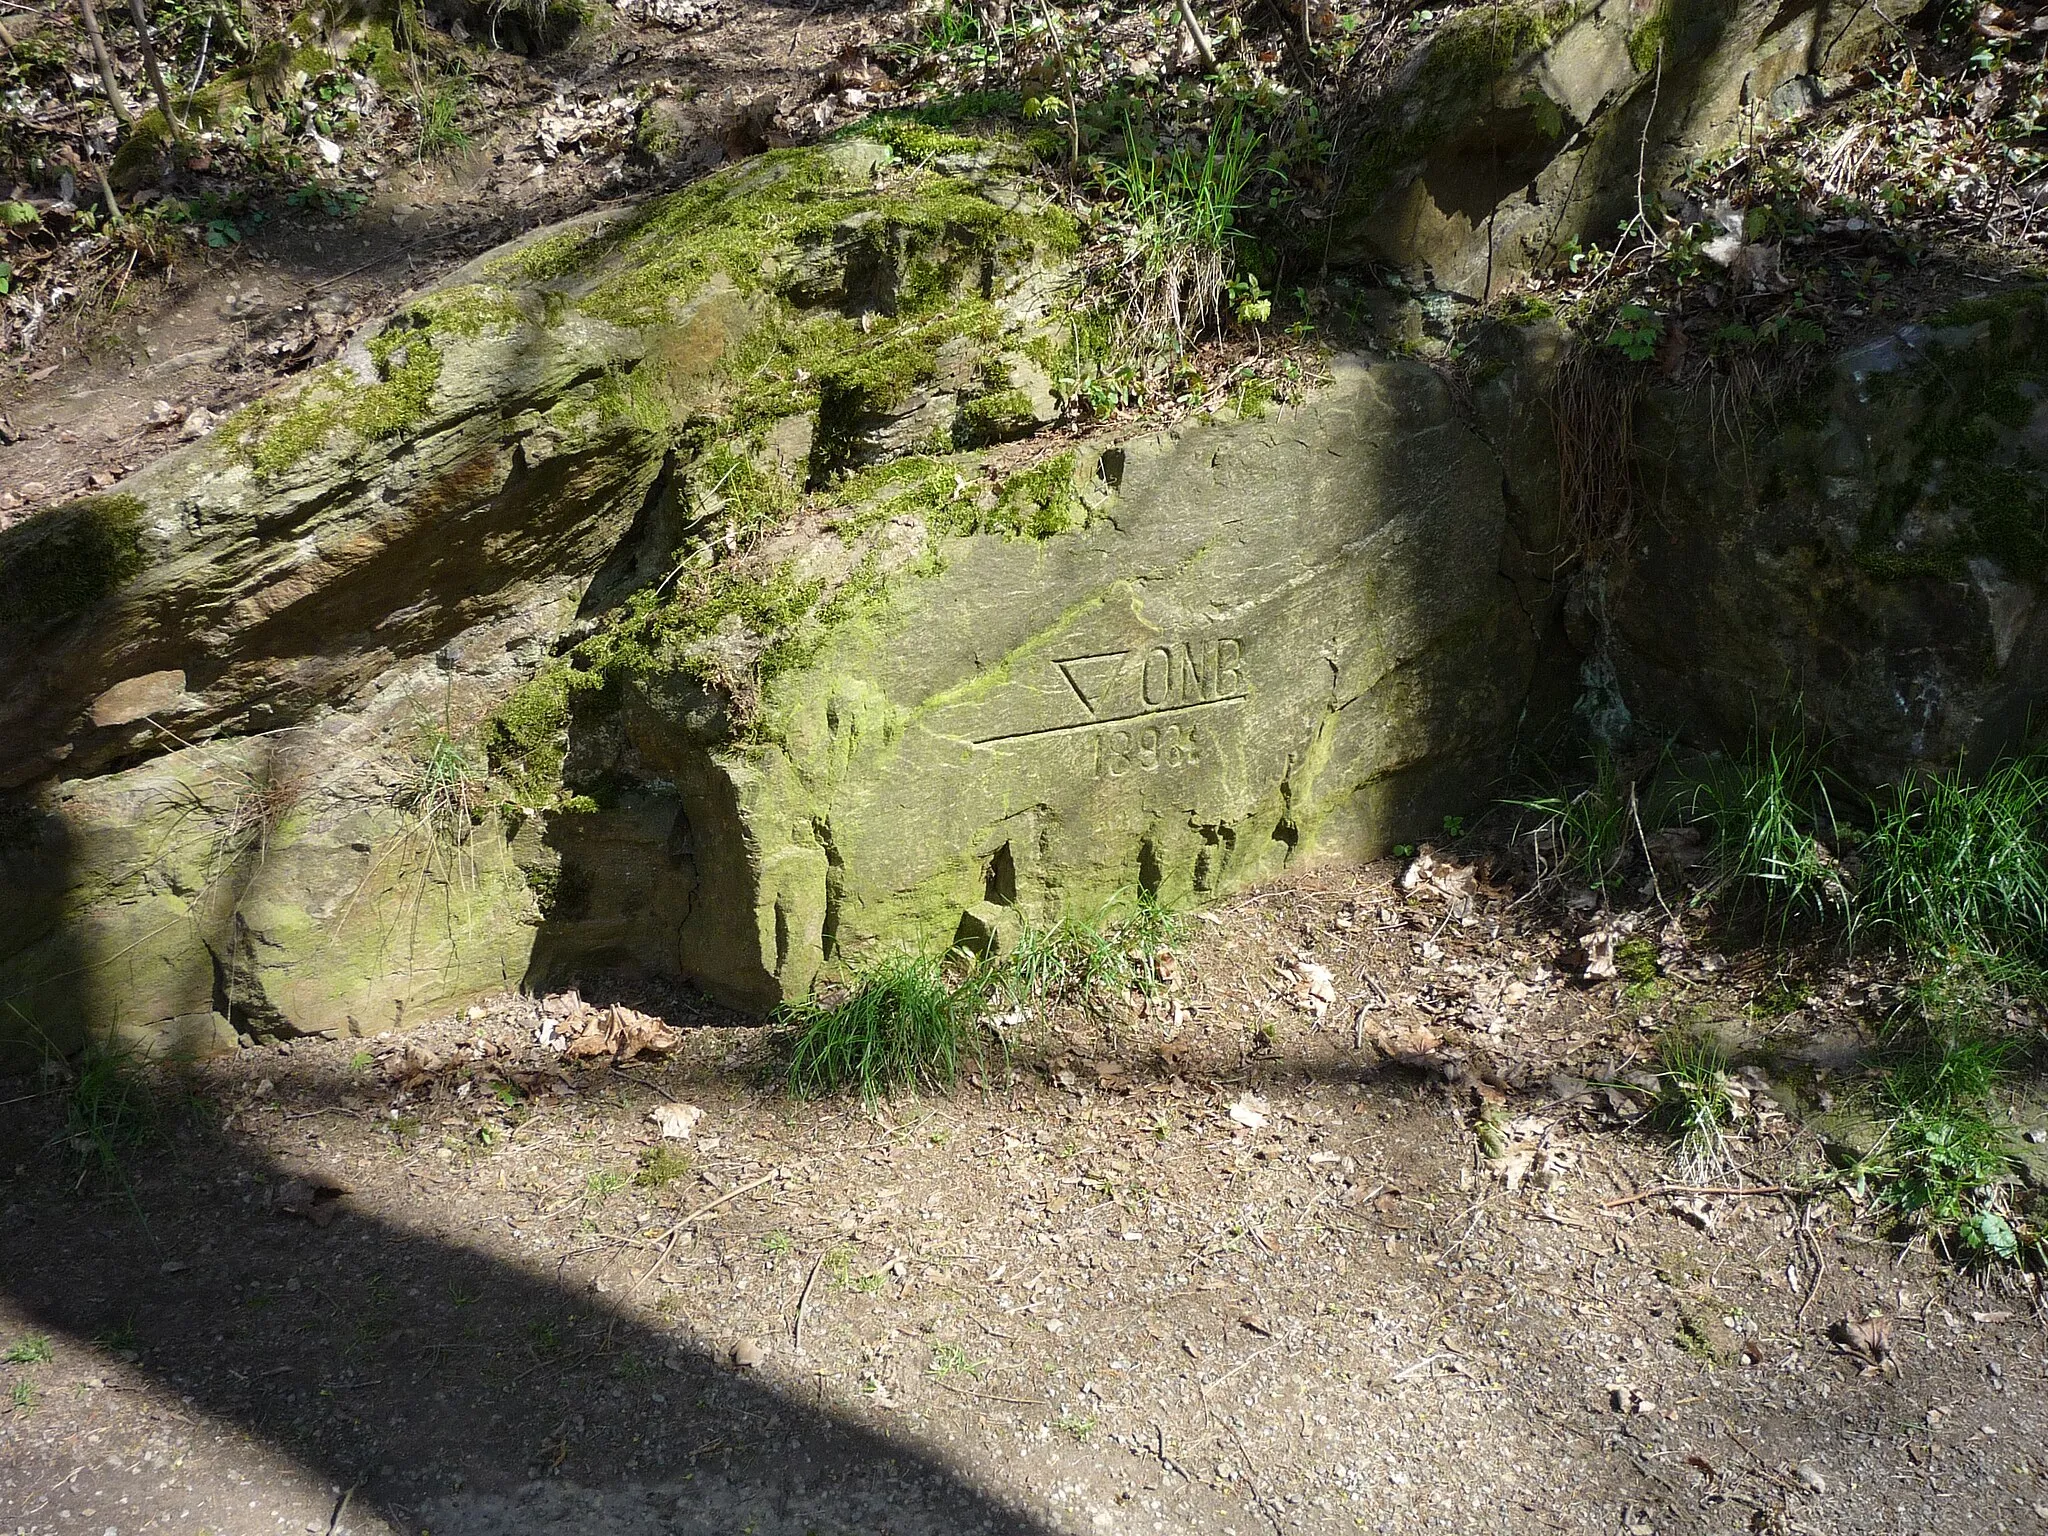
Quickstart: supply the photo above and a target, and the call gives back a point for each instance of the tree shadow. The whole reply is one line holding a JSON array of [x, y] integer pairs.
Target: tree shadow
[[450, 1387]]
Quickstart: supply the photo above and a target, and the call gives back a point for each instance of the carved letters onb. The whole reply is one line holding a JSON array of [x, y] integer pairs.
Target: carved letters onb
[[1172, 678]]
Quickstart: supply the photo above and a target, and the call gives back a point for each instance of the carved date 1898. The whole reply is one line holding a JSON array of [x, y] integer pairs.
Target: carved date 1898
[[1146, 749]]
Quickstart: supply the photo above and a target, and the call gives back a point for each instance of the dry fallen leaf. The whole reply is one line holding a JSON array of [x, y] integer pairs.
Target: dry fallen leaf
[[1249, 1112], [1598, 947], [1868, 1343], [622, 1033], [1314, 989], [676, 1121], [748, 1355]]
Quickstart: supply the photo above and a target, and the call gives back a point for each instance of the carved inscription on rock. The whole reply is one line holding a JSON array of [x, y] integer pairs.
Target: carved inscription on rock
[[1143, 709]]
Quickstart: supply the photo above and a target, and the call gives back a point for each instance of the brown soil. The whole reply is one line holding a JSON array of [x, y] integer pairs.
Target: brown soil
[[1075, 1294]]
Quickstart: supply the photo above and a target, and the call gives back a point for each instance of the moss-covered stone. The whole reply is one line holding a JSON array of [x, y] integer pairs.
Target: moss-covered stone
[[274, 437], [71, 557], [526, 739], [994, 418], [1973, 479]]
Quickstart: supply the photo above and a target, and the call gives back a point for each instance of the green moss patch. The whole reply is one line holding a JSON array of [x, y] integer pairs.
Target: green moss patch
[[70, 557], [752, 224], [526, 739], [994, 418], [274, 437], [736, 627]]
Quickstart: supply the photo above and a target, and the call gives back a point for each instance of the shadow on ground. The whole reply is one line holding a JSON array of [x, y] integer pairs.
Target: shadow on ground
[[450, 1390]]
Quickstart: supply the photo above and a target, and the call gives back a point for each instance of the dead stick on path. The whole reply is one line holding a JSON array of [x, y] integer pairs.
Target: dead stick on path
[[669, 1237], [805, 1300], [1701, 1189], [341, 1509]]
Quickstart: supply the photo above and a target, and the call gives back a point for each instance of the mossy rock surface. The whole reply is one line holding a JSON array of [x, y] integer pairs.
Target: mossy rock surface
[[591, 420], [1879, 561], [1523, 127]]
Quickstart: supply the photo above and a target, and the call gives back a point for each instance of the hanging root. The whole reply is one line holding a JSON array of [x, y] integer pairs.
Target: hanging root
[[1592, 411]]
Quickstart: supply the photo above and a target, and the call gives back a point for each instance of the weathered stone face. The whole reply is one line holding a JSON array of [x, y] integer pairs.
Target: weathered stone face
[[1274, 639], [1522, 125], [671, 593], [1874, 556]]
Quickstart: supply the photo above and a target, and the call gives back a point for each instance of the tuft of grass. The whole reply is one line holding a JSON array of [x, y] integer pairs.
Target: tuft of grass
[[33, 1350], [1131, 942], [443, 789], [1955, 865], [111, 1110], [901, 1025], [1584, 832], [1178, 230], [440, 119], [1693, 1099], [1069, 961], [604, 1183], [1768, 811]]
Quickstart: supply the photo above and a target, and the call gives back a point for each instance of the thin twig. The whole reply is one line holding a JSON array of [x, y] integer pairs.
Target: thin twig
[[106, 63], [804, 1300], [1198, 37], [1702, 1189], [676, 1231], [149, 63]]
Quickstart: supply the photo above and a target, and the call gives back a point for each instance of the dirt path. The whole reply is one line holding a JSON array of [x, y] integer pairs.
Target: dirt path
[[109, 391], [1085, 1293]]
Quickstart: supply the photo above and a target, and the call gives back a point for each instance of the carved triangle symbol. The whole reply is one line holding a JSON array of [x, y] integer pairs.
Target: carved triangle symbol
[[1088, 676]]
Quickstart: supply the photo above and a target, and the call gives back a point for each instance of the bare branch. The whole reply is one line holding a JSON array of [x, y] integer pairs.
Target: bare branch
[[99, 52]]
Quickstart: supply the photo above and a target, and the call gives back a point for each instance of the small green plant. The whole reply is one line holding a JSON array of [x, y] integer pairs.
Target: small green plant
[[604, 1183], [661, 1166], [1635, 962], [900, 1025], [1692, 1097], [23, 1396], [362, 1061], [1079, 1425], [33, 1350], [1943, 1156], [334, 202], [777, 1245], [949, 1359], [1636, 332]]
